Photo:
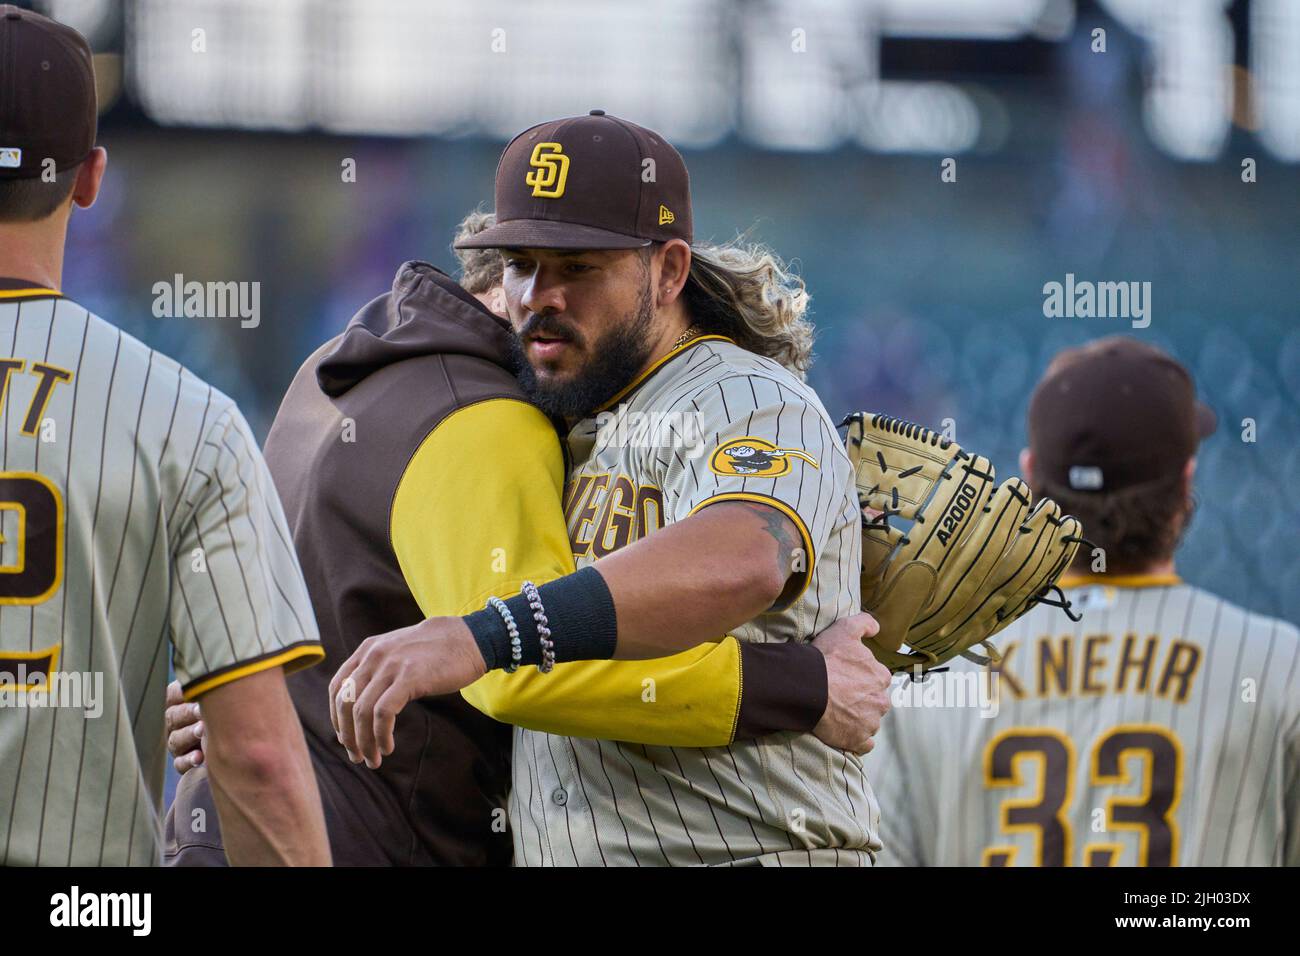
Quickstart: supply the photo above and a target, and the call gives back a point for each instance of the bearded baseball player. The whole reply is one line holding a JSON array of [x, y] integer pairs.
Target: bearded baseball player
[[1162, 729], [450, 490], [135, 512], [737, 515]]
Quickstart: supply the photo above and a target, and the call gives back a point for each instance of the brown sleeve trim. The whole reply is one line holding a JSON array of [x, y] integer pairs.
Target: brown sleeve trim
[[292, 657], [783, 687]]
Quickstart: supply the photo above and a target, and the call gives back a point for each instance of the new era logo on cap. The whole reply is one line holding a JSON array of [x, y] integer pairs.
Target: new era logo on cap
[[1086, 478], [11, 157], [582, 183]]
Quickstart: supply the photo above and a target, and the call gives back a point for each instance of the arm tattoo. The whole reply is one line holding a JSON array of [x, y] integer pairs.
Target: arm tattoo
[[782, 531]]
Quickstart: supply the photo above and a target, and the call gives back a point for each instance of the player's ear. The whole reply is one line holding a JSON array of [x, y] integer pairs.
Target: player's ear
[[1189, 470], [89, 176], [674, 266], [1027, 466]]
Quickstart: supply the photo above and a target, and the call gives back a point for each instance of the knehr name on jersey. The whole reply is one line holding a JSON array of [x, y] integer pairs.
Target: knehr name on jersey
[[1096, 664]]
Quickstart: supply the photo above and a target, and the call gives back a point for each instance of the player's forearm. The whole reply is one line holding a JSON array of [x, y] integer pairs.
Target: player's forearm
[[262, 779], [683, 586], [269, 805], [696, 580]]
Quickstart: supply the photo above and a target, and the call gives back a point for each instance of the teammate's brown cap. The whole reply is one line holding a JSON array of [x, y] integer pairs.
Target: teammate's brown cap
[[47, 94], [588, 182], [1113, 414]]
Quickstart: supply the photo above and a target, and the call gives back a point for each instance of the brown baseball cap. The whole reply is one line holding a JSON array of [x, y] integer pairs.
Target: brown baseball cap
[[588, 182], [1113, 414], [47, 94]]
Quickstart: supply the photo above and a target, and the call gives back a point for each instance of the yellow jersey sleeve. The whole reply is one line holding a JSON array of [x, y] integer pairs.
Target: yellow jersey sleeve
[[478, 511]]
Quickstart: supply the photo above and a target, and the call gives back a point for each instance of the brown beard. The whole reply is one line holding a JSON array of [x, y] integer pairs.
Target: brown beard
[[616, 360]]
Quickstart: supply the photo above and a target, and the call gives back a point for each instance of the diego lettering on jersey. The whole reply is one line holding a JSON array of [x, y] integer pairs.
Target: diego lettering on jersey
[[606, 512], [1095, 664]]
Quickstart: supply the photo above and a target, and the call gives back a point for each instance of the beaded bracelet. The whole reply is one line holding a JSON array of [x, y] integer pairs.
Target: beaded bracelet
[[516, 647], [543, 628]]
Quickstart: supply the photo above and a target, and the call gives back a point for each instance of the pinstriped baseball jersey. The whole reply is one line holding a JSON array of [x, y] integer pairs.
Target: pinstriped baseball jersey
[[710, 422], [1162, 729], [135, 510]]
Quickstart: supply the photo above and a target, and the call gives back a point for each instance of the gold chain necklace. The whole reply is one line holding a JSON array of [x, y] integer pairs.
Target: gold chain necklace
[[685, 337]]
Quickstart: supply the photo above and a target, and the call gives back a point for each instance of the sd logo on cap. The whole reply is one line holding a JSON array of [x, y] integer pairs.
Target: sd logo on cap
[[588, 182]]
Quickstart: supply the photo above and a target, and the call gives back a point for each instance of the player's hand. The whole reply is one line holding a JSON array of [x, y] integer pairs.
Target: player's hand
[[857, 685], [388, 671], [184, 730]]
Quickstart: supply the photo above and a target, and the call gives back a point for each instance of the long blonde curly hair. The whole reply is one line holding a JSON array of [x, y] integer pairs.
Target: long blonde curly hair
[[744, 290], [480, 269]]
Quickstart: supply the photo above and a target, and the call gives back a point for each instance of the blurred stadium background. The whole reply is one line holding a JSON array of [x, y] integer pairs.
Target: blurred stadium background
[[821, 125]]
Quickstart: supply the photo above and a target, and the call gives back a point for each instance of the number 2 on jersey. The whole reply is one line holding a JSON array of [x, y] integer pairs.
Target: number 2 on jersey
[[1154, 752]]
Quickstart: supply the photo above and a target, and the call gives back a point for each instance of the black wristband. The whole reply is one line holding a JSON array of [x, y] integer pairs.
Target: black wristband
[[783, 687], [580, 610], [493, 639]]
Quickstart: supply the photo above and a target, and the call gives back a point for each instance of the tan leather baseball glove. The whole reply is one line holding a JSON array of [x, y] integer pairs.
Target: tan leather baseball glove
[[975, 557]]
